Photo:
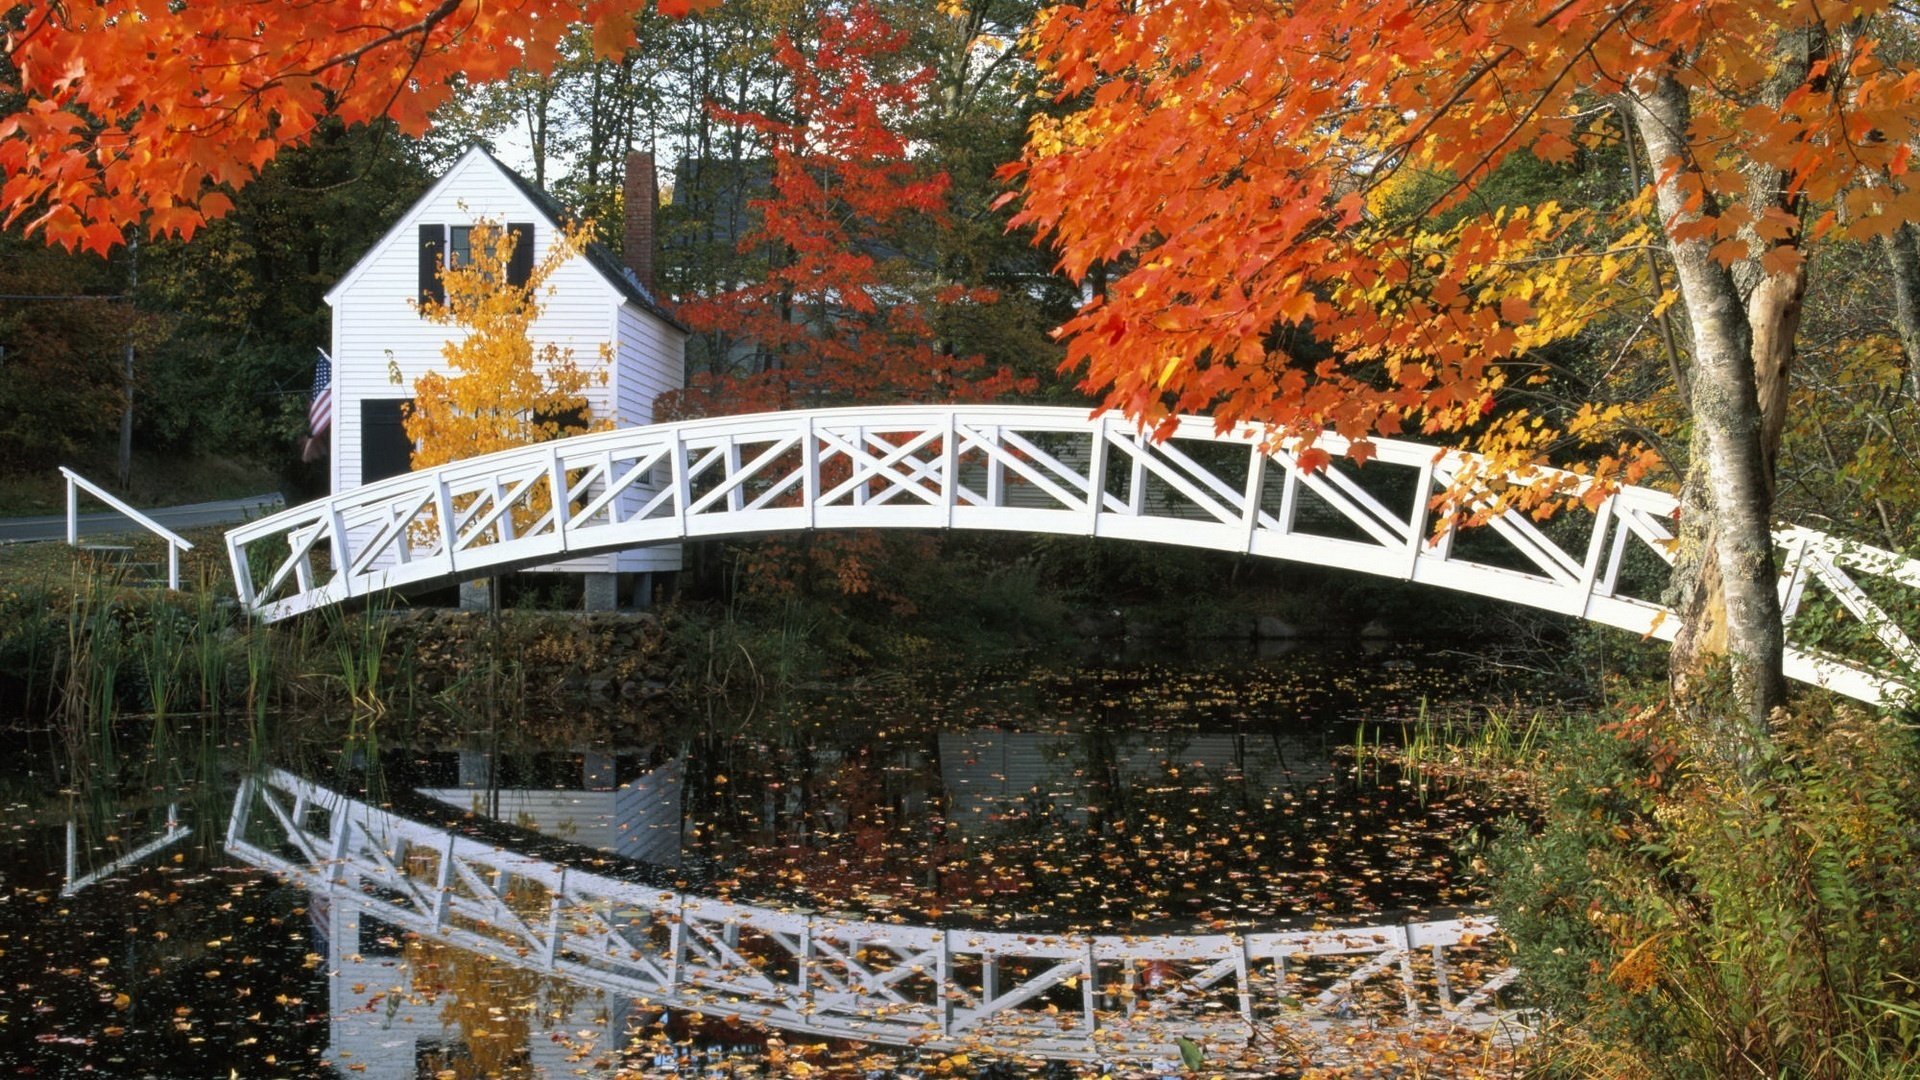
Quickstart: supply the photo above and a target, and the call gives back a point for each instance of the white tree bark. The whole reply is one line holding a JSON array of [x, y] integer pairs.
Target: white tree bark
[[1731, 464]]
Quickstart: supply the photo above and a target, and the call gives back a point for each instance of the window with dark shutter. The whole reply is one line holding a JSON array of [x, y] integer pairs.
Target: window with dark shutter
[[520, 266], [459, 245], [443, 245], [433, 239], [385, 449]]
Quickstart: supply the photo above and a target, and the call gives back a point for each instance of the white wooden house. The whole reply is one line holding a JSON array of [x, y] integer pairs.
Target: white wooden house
[[382, 344]]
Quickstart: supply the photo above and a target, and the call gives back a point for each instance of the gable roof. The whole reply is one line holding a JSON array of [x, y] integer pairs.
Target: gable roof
[[617, 273], [609, 267]]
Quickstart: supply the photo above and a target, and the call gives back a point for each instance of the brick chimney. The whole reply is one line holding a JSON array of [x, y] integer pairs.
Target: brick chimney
[[642, 195]]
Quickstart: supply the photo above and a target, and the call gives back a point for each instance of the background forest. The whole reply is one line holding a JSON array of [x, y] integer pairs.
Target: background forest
[[830, 227], [833, 226], [202, 350], [215, 337]]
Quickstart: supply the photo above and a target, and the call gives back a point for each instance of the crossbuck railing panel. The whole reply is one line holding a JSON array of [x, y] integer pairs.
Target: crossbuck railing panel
[[1070, 996], [1053, 471]]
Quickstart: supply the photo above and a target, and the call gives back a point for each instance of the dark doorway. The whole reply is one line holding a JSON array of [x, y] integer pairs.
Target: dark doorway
[[385, 449]]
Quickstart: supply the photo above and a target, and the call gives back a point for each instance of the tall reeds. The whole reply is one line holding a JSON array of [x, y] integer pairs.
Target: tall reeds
[[358, 647]]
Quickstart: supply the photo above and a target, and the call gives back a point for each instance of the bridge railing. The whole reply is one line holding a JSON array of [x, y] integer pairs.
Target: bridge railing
[[1074, 996], [1051, 471], [175, 542]]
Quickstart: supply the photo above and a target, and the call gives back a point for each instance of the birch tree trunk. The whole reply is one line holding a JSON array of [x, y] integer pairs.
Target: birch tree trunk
[[1725, 527]]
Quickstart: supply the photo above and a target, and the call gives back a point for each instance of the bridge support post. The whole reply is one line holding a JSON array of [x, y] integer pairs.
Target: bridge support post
[[602, 592], [476, 595]]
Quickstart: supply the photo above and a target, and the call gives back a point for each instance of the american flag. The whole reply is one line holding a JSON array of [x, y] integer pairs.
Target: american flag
[[320, 410]]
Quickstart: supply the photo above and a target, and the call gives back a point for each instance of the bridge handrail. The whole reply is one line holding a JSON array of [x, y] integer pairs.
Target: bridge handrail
[[175, 542]]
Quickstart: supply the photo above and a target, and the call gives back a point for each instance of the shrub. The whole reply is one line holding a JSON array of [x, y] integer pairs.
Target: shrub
[[1678, 917]]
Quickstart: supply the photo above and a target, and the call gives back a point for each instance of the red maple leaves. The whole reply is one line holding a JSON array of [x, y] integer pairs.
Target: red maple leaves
[[139, 113], [1225, 160], [842, 312]]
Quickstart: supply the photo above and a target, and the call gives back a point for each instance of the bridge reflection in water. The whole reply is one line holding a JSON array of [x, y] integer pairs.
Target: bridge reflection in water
[[1060, 996]]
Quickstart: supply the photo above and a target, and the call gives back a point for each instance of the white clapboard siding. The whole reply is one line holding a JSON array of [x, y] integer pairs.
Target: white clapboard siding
[[994, 776], [382, 345], [651, 364], [647, 816]]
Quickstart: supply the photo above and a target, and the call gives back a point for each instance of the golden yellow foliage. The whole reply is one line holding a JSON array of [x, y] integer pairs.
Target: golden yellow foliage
[[504, 390]]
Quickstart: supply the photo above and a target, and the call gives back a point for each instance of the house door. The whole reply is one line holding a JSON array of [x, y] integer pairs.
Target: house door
[[385, 449]]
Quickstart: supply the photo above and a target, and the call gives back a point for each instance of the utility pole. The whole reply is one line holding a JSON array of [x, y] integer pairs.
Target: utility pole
[[125, 471]]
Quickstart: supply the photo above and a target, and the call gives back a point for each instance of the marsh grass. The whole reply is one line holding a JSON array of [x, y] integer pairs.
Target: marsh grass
[[1495, 745]]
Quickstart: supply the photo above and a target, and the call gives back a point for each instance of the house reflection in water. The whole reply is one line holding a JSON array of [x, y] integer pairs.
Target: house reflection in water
[[984, 777], [403, 1008], [995, 777], [613, 802]]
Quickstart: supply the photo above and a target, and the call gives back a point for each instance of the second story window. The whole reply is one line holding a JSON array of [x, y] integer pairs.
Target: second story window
[[443, 245], [459, 245]]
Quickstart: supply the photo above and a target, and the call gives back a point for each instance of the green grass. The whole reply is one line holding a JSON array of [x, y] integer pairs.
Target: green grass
[[52, 562]]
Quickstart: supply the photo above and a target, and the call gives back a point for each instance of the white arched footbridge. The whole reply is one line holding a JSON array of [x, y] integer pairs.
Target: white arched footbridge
[[1047, 470]]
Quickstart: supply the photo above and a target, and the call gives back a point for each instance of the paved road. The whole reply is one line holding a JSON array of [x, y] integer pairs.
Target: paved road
[[193, 515]]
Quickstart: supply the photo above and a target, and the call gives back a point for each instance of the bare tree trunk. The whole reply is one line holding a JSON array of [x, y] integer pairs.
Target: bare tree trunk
[[1731, 457], [1903, 264], [1773, 315], [538, 109], [1776, 291]]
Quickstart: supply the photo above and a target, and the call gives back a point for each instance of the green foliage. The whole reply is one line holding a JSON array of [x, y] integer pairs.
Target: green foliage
[[1847, 455], [730, 661], [975, 602], [223, 328], [244, 301], [1677, 921], [30, 634], [1092, 570], [974, 596]]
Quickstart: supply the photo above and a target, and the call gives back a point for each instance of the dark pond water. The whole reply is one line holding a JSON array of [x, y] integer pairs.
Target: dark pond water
[[1144, 796]]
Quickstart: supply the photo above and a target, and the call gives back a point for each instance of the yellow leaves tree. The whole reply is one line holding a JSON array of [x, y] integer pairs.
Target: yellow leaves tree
[[504, 390]]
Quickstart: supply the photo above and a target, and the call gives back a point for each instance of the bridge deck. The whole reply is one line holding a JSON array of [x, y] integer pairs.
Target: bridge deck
[[1066, 996]]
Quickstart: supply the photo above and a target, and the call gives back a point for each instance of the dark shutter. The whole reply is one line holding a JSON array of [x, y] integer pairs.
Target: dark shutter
[[568, 421], [433, 240], [385, 449], [520, 267]]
